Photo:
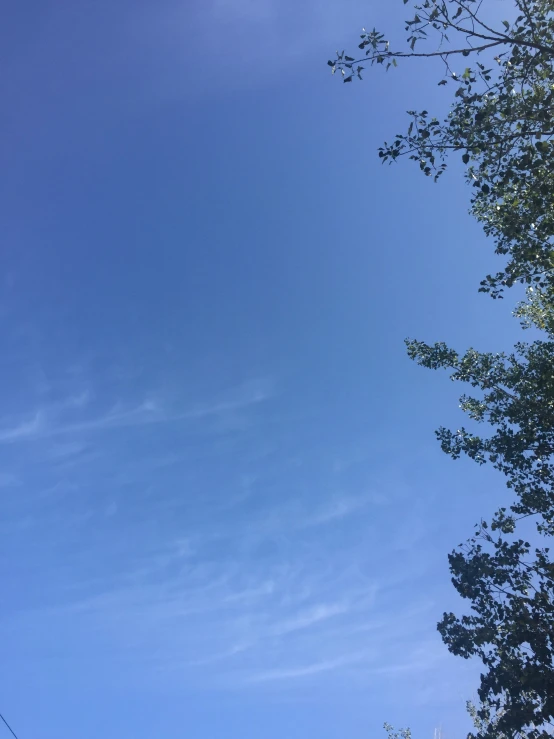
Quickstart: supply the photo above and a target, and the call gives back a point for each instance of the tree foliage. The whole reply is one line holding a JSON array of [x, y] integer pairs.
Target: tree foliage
[[508, 582], [500, 122], [517, 401], [510, 586], [400, 734], [482, 724]]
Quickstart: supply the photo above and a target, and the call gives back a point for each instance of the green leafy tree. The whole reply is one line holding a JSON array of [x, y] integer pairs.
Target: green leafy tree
[[508, 582], [517, 401], [400, 734], [482, 724], [500, 125], [510, 586], [500, 122], [537, 310], [479, 723]]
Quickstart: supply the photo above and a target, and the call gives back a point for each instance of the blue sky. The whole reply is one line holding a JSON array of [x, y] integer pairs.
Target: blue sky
[[224, 513]]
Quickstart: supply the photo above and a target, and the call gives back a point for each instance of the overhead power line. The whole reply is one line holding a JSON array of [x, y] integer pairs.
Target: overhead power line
[[12, 732]]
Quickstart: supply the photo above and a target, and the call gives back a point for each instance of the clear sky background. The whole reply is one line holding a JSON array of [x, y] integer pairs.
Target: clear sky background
[[224, 513]]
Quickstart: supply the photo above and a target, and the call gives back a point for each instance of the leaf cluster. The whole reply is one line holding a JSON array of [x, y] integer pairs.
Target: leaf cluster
[[500, 122]]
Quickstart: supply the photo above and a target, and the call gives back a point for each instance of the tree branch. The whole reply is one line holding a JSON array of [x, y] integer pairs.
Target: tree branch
[[413, 54]]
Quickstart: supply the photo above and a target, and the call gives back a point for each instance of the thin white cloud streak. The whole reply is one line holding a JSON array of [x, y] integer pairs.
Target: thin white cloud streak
[[421, 658], [296, 516], [78, 401], [37, 425], [62, 451], [23, 430], [267, 588], [316, 614], [336, 509], [315, 668], [221, 656], [148, 412], [252, 397]]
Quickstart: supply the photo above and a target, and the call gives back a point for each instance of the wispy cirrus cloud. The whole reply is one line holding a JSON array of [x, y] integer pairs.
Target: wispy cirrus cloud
[[50, 421], [339, 507], [24, 429], [315, 668], [314, 615], [240, 621], [41, 426], [221, 572]]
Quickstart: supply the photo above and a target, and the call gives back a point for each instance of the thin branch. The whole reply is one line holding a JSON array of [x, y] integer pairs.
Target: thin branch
[[409, 55], [478, 20]]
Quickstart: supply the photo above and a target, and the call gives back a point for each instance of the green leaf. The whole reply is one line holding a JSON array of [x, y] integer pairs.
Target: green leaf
[[497, 116]]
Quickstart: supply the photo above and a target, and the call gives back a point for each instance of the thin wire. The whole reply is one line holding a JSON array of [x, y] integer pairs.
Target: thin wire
[[9, 727]]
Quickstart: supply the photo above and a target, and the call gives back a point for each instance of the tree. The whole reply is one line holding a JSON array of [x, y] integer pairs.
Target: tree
[[509, 628], [482, 724], [518, 402], [509, 583], [501, 121], [479, 723], [400, 734]]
